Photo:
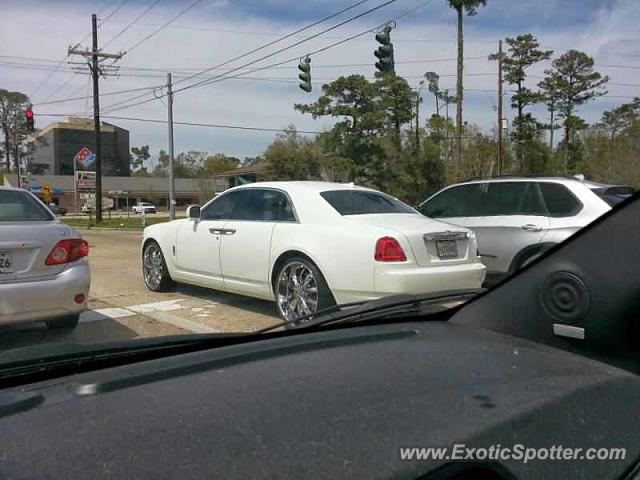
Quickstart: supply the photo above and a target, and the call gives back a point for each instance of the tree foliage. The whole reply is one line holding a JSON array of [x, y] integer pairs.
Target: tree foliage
[[12, 121], [137, 159], [576, 82], [522, 53], [468, 6]]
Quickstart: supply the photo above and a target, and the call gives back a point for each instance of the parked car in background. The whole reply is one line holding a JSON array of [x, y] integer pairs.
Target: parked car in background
[[144, 207], [57, 209], [44, 272], [310, 245], [517, 219]]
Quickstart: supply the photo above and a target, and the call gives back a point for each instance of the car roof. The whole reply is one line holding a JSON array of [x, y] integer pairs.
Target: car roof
[[305, 186], [556, 179]]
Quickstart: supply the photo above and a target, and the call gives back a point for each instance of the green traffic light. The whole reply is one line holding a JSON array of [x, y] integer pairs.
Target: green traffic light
[[383, 38], [304, 67], [305, 76]]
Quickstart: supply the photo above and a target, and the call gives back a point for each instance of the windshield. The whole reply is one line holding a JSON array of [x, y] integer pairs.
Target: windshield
[[255, 163], [21, 206]]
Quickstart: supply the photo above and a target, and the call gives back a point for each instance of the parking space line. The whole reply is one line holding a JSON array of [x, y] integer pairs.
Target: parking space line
[[102, 313], [180, 322]]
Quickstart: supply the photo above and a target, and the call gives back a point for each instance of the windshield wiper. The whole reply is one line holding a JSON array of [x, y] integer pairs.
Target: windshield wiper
[[375, 309]]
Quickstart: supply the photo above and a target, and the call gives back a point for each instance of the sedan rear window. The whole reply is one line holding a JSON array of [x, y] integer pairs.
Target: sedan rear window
[[359, 202], [21, 206]]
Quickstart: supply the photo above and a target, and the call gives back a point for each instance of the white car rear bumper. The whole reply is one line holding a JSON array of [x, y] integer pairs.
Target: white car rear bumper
[[396, 279], [54, 297]]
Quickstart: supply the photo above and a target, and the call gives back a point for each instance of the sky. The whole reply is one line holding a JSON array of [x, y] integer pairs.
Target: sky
[[36, 34]]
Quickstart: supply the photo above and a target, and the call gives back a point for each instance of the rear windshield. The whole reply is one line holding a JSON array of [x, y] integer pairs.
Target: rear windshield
[[358, 202], [613, 195], [21, 206]]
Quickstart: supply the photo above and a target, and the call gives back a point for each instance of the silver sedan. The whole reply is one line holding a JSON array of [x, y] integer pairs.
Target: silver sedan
[[44, 270]]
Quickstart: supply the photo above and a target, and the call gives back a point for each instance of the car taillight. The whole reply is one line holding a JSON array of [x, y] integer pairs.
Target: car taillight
[[67, 251], [389, 250]]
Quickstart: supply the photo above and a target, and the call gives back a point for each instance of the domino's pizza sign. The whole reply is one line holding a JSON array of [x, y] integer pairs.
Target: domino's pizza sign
[[85, 157]]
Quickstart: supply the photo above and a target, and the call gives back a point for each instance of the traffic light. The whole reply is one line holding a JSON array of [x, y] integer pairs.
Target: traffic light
[[384, 53], [305, 76], [28, 116]]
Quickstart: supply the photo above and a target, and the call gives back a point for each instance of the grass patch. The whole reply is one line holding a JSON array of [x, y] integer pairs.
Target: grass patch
[[132, 223]]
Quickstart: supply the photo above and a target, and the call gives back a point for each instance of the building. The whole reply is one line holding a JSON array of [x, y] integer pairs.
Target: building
[[53, 149], [129, 190], [242, 175]]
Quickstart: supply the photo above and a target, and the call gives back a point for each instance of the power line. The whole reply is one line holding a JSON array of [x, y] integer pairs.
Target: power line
[[631, 67], [62, 86], [323, 49], [133, 22], [280, 39], [209, 125], [189, 124], [272, 34], [133, 99], [167, 23], [344, 22], [176, 69], [186, 70], [117, 92], [48, 77], [122, 4]]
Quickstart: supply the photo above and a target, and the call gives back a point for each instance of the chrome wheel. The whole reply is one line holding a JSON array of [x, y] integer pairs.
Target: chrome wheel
[[296, 291], [152, 266]]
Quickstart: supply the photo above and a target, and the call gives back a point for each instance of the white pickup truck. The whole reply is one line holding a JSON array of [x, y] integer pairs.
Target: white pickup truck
[[144, 207]]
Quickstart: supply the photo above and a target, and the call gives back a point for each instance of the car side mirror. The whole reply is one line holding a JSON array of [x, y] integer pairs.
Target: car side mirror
[[193, 212]]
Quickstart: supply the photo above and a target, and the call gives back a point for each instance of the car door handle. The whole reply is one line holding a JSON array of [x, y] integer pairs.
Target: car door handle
[[222, 231], [529, 227]]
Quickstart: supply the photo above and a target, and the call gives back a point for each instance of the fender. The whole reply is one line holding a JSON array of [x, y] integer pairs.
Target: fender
[[526, 252]]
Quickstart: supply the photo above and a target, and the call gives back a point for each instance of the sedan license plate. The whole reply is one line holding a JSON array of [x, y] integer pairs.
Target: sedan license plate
[[6, 264], [447, 248]]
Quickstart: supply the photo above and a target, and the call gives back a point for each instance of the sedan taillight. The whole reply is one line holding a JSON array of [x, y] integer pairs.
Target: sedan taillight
[[67, 251], [389, 250]]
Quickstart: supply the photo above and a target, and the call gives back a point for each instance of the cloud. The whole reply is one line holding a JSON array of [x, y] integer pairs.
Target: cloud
[[223, 29]]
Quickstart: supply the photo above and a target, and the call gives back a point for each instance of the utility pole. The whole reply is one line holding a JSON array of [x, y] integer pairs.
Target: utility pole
[[17, 148], [93, 59], [172, 187], [500, 107], [418, 100]]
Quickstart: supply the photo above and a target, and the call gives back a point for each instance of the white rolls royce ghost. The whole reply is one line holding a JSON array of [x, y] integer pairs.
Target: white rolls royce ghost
[[310, 245]]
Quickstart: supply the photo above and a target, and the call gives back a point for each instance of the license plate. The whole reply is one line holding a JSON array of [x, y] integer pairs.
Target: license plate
[[447, 248], [6, 264]]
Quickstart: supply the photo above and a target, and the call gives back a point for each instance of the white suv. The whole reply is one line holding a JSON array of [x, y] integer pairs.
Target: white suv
[[516, 219]]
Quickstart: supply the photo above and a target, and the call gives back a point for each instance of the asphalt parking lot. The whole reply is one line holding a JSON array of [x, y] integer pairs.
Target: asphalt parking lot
[[121, 307]]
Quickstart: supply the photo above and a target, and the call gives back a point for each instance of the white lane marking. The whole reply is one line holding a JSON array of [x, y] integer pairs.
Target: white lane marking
[[157, 311], [197, 309], [183, 323], [102, 313], [165, 306]]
